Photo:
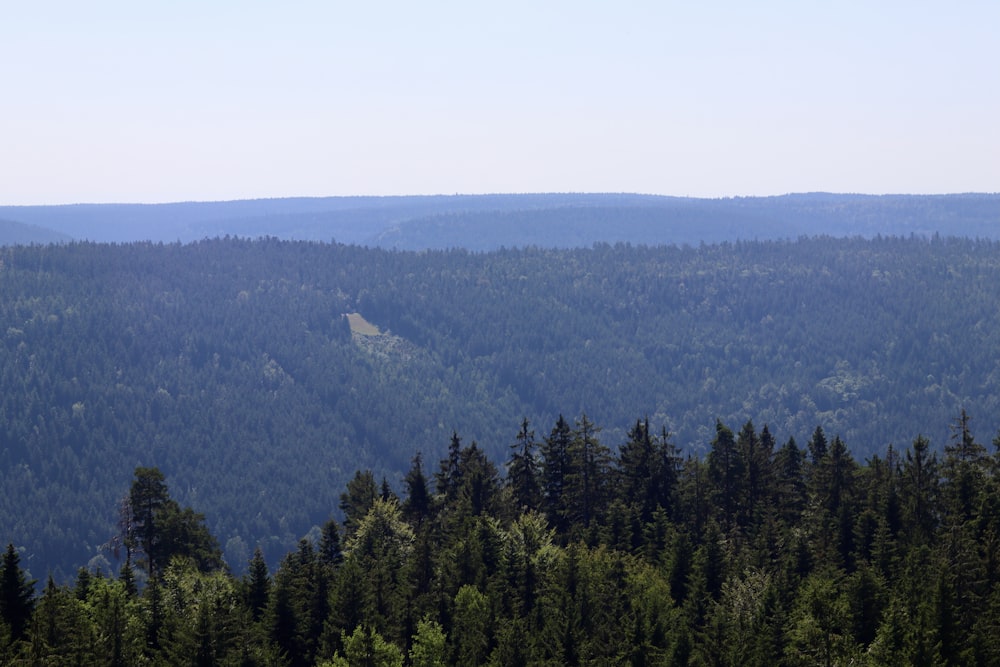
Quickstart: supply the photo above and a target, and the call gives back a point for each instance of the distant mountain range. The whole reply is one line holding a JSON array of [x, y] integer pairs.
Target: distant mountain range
[[488, 222]]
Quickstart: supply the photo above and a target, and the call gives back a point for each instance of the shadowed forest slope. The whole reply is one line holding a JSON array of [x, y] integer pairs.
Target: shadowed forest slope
[[230, 364]]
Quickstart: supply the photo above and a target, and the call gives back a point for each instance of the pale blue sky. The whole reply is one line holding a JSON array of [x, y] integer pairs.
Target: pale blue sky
[[148, 101]]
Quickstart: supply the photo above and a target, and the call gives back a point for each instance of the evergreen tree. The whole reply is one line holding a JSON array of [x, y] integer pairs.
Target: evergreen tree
[[470, 635], [640, 464], [357, 499], [964, 471], [160, 529], [790, 486], [417, 506], [757, 453], [817, 446], [258, 585], [669, 473], [127, 576], [148, 498], [61, 633], [381, 546], [522, 470], [726, 472], [366, 647], [819, 631], [429, 647], [17, 595], [832, 502], [694, 496], [330, 551], [480, 481], [293, 597], [352, 603], [919, 488], [586, 484], [386, 492], [555, 469], [449, 475]]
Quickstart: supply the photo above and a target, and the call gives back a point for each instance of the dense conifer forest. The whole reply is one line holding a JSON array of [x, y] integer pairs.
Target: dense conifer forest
[[759, 553], [259, 375]]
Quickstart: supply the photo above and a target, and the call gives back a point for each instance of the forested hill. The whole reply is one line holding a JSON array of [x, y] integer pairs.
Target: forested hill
[[229, 364], [488, 222], [19, 233]]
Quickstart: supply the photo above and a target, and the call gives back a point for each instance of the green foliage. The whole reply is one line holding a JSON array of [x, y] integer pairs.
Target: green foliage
[[522, 470], [819, 632], [820, 570], [231, 355], [429, 647], [470, 635], [366, 648], [158, 529]]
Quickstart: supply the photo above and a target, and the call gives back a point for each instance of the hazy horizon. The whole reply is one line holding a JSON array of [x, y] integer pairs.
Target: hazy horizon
[[497, 194], [116, 102]]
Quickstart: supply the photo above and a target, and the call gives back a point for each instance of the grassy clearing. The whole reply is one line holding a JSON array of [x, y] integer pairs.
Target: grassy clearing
[[360, 325]]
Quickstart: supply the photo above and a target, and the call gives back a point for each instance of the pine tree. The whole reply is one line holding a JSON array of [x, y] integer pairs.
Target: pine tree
[[158, 528], [147, 498]]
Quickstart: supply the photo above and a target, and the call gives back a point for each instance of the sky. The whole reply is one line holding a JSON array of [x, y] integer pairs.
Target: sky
[[156, 101]]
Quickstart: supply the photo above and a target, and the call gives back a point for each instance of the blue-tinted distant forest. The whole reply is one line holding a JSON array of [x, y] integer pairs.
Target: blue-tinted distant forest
[[489, 222], [229, 365]]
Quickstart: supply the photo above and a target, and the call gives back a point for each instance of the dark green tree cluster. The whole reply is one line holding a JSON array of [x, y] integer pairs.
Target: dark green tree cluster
[[756, 554]]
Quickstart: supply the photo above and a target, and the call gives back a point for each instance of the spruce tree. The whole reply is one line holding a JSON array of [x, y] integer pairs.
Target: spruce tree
[[726, 473], [522, 470], [587, 481], [555, 469], [258, 585], [357, 499], [448, 478], [17, 594], [417, 506]]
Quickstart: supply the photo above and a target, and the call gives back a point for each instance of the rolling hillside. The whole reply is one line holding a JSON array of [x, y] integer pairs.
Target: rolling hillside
[[232, 366], [489, 222]]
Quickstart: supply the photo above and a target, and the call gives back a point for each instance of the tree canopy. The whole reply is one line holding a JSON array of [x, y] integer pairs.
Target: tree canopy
[[888, 561], [232, 355]]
